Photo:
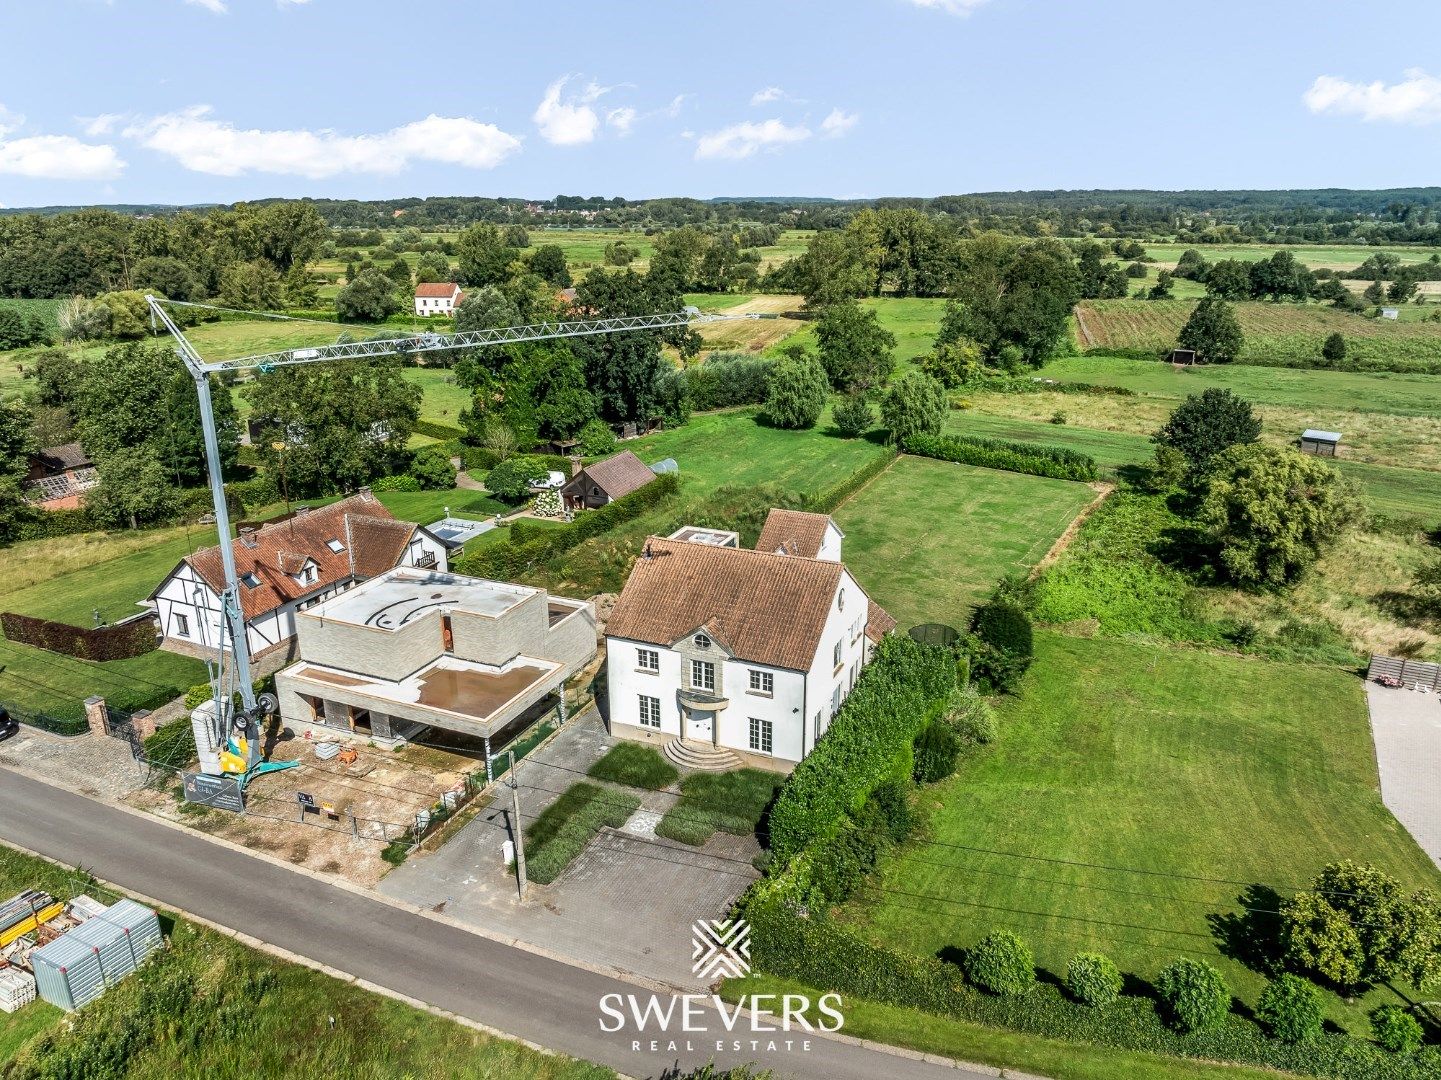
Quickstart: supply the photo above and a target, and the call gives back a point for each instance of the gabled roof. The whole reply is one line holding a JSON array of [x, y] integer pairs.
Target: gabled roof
[[442, 289], [371, 543], [879, 622], [794, 532], [69, 455], [617, 476], [765, 608]]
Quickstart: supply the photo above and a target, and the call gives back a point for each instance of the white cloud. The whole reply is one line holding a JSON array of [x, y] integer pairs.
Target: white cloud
[[769, 94], [9, 121], [568, 121], [59, 157], [838, 122], [218, 7], [950, 7], [622, 119], [203, 144], [745, 139], [103, 124], [1415, 100]]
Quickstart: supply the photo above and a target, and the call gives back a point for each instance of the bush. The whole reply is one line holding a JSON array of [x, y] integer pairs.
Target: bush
[[1193, 994], [914, 408], [403, 482], [1334, 348], [797, 393], [547, 504], [596, 439], [1005, 626], [1001, 963], [431, 469], [1057, 462], [893, 803], [853, 417], [636, 766], [172, 745], [728, 379], [1290, 1008], [1093, 980], [845, 859], [1395, 1029], [971, 717], [197, 694], [936, 751]]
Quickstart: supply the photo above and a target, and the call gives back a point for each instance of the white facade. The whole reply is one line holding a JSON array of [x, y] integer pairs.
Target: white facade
[[438, 305], [189, 609], [755, 710]]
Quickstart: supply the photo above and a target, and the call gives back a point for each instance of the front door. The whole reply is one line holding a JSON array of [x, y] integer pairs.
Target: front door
[[699, 725]]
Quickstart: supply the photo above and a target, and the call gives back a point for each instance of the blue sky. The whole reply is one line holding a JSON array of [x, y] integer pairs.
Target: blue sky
[[220, 100]]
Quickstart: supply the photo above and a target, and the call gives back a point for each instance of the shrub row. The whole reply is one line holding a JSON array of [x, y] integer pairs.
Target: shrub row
[[813, 949], [98, 643], [506, 560], [824, 502], [443, 432], [1006, 384], [564, 828], [1057, 462], [71, 725], [726, 380], [869, 743]]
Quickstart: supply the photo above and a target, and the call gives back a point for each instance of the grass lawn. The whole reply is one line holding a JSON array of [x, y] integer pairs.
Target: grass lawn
[[927, 539], [177, 1016], [735, 447], [732, 802], [636, 766], [1125, 775], [914, 321], [1110, 449], [444, 398]]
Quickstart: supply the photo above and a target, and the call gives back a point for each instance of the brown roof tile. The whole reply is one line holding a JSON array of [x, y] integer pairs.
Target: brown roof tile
[[617, 476], [879, 622], [764, 608], [275, 553], [794, 532], [444, 289]]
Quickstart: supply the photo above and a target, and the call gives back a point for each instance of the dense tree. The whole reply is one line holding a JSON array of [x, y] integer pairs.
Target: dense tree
[[432, 468], [58, 375], [619, 253], [510, 480], [19, 330], [1229, 279], [954, 363], [798, 392], [1212, 331], [16, 445], [1281, 277], [370, 297], [517, 236], [914, 405], [343, 422], [300, 288], [399, 272], [485, 309], [485, 257], [1334, 348], [1375, 294], [853, 416], [833, 269], [1191, 265], [548, 263], [1010, 295], [1207, 423], [855, 349], [1162, 289], [169, 277], [252, 286], [1271, 511], [1402, 288], [433, 266], [1097, 279], [134, 489]]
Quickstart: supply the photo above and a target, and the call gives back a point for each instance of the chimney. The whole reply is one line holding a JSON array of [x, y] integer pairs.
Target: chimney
[[301, 511], [247, 535], [575, 465], [364, 492]]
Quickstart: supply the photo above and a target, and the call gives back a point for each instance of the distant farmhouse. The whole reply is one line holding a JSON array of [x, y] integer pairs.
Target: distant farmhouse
[[725, 654], [437, 298], [59, 475], [287, 566]]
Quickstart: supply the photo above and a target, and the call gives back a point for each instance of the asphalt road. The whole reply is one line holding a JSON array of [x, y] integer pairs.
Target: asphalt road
[[510, 989]]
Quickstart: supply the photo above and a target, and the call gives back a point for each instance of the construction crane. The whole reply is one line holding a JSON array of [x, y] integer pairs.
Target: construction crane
[[233, 619]]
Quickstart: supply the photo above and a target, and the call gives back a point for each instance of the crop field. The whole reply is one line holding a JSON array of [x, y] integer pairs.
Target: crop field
[[1331, 257], [1275, 331], [735, 448], [914, 321], [928, 539], [752, 336], [1135, 793]]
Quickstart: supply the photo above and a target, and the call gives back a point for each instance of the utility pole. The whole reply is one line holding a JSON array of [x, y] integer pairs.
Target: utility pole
[[519, 833]]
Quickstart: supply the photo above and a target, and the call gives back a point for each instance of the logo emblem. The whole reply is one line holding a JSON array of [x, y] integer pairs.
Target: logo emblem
[[721, 948]]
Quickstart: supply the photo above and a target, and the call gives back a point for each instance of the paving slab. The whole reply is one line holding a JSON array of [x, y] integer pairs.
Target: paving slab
[[1406, 725]]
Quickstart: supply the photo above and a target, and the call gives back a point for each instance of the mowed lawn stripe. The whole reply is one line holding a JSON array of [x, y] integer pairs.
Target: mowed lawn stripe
[[928, 539]]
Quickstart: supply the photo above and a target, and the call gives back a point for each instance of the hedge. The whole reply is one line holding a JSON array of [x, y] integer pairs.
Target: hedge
[[824, 502], [443, 432], [813, 949], [1005, 384], [869, 743], [100, 643], [1057, 462], [505, 561]]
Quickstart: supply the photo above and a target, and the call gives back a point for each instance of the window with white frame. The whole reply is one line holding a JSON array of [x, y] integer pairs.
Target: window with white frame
[[649, 711], [761, 735], [702, 675], [647, 660], [182, 625], [836, 700], [762, 682], [836, 653]]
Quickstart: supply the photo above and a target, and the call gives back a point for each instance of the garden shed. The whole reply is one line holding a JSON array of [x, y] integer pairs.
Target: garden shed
[[1321, 443]]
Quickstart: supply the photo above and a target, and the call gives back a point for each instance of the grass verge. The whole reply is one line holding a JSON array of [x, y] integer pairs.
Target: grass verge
[[731, 802], [635, 766], [563, 829]]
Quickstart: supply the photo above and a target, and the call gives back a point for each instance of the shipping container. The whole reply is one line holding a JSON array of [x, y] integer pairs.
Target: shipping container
[[67, 972]]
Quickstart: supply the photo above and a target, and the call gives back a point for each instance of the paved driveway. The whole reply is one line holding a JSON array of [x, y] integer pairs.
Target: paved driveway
[[1406, 725], [626, 904]]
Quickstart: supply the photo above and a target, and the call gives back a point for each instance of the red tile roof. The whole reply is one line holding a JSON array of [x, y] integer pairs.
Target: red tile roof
[[793, 532], [617, 476], [445, 289], [371, 542]]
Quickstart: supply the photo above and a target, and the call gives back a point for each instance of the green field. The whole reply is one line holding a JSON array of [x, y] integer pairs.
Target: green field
[[1317, 256], [1134, 792], [928, 539], [736, 448]]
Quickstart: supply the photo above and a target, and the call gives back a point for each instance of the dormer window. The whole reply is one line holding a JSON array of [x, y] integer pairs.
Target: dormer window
[[335, 546], [701, 641], [249, 580]]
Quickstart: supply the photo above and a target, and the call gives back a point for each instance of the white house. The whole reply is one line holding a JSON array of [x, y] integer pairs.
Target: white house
[[287, 566], [437, 298], [722, 654]]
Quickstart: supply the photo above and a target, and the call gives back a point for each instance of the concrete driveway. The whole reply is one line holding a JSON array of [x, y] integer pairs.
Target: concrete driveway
[[1406, 725], [626, 904]]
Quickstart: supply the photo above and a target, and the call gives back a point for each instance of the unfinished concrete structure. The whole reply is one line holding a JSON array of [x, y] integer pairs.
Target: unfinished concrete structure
[[414, 648]]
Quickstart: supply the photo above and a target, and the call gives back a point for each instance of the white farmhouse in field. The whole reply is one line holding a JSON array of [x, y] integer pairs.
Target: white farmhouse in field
[[285, 567], [721, 654], [437, 298]]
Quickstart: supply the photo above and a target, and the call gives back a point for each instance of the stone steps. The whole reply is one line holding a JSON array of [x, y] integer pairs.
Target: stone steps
[[703, 757]]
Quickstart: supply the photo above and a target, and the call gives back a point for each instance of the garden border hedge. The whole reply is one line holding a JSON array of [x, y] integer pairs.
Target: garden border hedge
[[119, 641], [1035, 459]]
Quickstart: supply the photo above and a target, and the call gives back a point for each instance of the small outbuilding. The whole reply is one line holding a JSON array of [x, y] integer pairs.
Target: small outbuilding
[[605, 481], [1320, 443], [1390, 313], [1182, 356]]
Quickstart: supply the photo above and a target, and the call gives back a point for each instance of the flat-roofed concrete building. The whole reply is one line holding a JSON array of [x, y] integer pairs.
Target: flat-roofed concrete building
[[412, 648]]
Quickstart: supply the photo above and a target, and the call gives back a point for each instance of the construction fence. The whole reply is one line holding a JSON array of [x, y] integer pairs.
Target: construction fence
[[1414, 674]]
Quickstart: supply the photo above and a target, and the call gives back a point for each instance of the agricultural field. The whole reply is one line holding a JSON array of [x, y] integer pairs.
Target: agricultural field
[[736, 448], [1272, 331], [914, 321], [928, 539], [1316, 257], [1106, 816], [750, 336]]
